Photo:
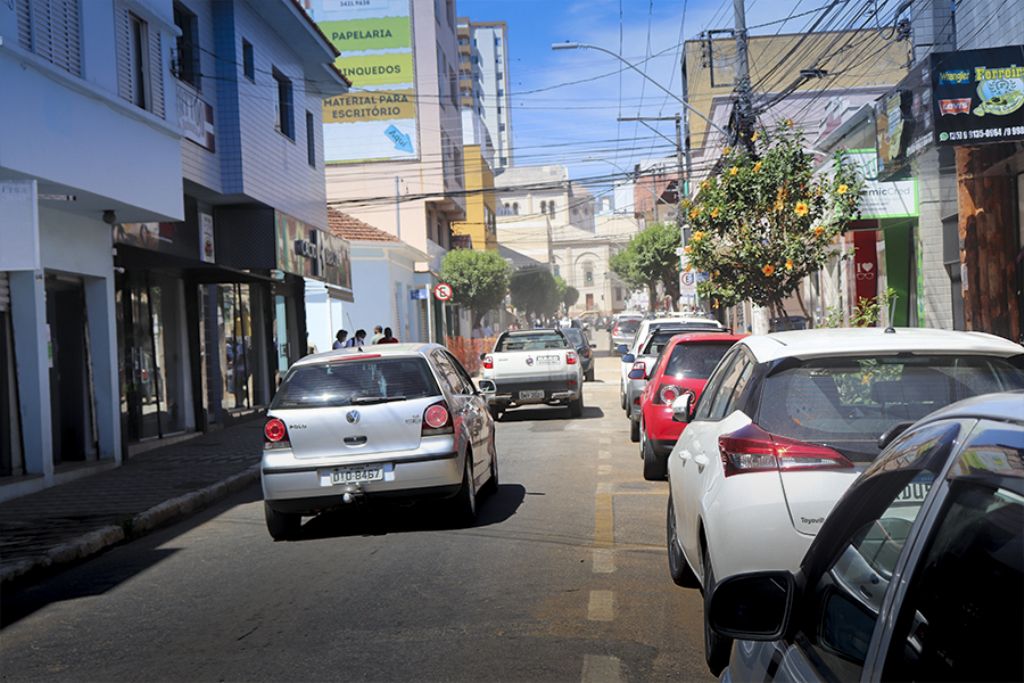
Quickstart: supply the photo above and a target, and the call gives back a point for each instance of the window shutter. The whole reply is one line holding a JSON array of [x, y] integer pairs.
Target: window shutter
[[123, 48], [5, 293], [156, 72], [52, 30]]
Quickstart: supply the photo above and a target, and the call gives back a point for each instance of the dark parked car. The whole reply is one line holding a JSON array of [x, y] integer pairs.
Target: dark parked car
[[915, 575], [579, 341]]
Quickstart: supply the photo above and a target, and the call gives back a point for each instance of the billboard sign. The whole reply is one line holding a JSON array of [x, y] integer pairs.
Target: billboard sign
[[978, 96], [316, 254], [903, 123], [881, 199], [377, 119]]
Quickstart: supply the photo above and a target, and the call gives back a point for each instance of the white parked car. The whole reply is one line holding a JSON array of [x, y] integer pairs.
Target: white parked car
[[532, 367], [787, 422]]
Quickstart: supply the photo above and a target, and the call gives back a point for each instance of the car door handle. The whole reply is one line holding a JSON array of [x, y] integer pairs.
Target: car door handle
[[702, 461]]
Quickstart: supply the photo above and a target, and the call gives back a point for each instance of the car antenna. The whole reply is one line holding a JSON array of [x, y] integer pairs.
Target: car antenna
[[892, 311]]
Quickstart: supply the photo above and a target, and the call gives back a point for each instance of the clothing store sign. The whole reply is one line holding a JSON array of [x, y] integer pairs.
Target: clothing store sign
[[18, 210], [978, 96], [312, 253]]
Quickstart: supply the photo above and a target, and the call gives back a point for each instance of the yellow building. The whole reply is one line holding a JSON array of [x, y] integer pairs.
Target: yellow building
[[481, 212]]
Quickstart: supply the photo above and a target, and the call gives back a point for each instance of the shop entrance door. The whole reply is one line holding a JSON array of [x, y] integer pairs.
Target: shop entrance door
[[71, 391]]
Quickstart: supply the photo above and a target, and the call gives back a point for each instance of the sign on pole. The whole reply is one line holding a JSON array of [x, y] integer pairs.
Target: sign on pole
[[443, 291]]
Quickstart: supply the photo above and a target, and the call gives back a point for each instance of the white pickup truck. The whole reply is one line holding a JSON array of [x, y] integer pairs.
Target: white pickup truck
[[532, 367]]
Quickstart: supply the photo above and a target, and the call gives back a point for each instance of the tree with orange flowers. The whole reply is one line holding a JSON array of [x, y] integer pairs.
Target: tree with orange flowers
[[767, 220]]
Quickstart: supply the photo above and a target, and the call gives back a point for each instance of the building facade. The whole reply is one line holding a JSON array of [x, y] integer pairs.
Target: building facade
[[582, 259], [394, 144], [480, 226], [485, 82]]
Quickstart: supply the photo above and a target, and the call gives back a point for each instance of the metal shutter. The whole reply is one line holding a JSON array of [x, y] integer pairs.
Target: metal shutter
[[52, 30], [5, 293]]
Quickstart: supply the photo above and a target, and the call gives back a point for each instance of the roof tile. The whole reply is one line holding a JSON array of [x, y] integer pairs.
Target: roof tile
[[351, 228]]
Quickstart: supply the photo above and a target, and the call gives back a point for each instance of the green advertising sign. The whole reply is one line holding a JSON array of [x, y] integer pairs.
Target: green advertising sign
[[378, 33]]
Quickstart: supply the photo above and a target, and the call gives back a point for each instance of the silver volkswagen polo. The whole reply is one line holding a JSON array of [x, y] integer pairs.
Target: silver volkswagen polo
[[401, 420]]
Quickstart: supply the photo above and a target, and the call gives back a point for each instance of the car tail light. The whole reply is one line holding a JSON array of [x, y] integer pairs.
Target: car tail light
[[488, 362], [437, 419], [751, 449], [570, 358], [275, 434], [668, 393]]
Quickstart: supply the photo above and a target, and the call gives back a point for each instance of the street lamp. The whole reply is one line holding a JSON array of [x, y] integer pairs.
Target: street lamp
[[588, 46]]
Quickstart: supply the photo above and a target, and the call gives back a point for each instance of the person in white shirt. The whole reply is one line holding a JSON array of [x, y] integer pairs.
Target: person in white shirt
[[339, 339]]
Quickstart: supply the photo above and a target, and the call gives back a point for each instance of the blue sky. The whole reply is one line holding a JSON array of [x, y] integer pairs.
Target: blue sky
[[581, 119]]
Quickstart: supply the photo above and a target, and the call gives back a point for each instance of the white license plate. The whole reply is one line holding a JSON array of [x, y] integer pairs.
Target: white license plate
[[357, 474], [551, 359], [531, 395]]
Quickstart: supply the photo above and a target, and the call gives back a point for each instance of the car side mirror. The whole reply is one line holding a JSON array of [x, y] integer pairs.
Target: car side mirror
[[682, 408], [621, 348], [754, 606], [639, 371], [486, 386], [890, 434], [629, 358]]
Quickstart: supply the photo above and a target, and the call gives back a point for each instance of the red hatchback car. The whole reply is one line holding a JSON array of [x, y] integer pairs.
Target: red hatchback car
[[684, 366]]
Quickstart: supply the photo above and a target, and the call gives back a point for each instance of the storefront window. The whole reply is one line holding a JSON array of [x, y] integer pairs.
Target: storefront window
[[11, 460], [236, 353]]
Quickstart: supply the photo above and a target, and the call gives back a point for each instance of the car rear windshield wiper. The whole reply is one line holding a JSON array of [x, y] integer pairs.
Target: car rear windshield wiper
[[367, 400]]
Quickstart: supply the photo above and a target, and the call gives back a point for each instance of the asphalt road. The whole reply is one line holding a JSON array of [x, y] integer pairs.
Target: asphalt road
[[564, 578]]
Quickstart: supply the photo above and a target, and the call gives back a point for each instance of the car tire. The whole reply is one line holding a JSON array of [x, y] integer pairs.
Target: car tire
[[622, 399], [589, 377], [655, 467], [492, 484], [678, 568], [576, 407], [634, 430], [496, 413], [716, 648], [283, 526], [464, 503]]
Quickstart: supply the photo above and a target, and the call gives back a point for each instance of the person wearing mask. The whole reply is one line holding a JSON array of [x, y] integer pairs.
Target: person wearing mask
[[378, 333], [388, 338], [339, 339], [359, 339]]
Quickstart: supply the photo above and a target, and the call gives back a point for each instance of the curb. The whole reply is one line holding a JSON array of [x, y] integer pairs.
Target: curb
[[96, 541]]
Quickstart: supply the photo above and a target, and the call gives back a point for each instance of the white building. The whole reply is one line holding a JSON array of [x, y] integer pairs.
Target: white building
[[488, 50], [545, 191]]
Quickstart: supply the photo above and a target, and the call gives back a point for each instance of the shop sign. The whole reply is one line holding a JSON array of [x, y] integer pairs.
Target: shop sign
[[865, 263], [207, 253], [308, 252], [978, 96], [883, 199], [903, 123], [19, 210], [177, 239], [195, 118]]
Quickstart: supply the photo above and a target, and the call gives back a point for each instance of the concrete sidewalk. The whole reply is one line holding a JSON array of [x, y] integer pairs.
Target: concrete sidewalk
[[73, 521]]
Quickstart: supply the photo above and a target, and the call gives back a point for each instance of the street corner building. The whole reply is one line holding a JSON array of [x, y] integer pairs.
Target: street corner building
[[162, 204]]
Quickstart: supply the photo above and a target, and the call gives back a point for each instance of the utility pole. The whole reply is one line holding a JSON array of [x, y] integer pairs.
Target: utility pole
[[398, 207], [744, 118]]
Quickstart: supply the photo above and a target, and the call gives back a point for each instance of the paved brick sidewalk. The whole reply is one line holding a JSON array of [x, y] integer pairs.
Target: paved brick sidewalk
[[78, 519]]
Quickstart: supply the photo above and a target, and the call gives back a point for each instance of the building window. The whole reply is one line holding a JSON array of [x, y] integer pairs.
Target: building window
[[50, 29], [500, 75], [501, 126], [284, 124], [140, 59], [551, 206], [501, 93], [503, 161], [543, 207], [515, 208], [588, 275], [187, 46], [310, 140], [248, 60]]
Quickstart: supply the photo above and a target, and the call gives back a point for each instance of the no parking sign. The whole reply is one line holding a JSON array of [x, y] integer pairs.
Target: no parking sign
[[443, 291]]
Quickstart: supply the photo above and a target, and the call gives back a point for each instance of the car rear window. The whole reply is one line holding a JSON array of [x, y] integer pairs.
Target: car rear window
[[574, 335], [349, 382], [659, 340], [537, 341], [695, 360], [628, 326], [847, 403]]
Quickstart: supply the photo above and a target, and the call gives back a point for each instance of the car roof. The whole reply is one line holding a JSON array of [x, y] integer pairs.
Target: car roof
[[684, 320], [382, 350], [857, 340], [1007, 406], [697, 337], [527, 333]]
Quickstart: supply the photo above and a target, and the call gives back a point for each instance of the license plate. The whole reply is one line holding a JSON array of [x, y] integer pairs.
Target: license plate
[[531, 395], [550, 359], [357, 474]]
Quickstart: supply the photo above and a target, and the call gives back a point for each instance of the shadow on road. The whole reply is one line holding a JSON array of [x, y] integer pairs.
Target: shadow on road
[[547, 413], [378, 518]]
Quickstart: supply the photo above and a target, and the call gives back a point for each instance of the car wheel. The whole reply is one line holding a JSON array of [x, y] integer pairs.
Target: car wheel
[[464, 504], [492, 483], [622, 399], [655, 468], [634, 430], [576, 407], [495, 412], [678, 568], [589, 377], [283, 526], [716, 647]]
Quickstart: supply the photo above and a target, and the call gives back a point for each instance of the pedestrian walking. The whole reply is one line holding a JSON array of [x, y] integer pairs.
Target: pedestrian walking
[[357, 340], [388, 338], [339, 339], [378, 333]]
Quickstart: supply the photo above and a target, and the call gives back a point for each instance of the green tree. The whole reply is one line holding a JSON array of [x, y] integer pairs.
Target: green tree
[[479, 279], [567, 295], [767, 220], [534, 291], [651, 258]]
